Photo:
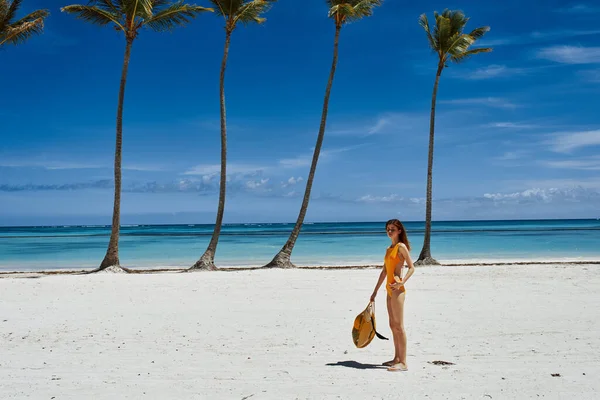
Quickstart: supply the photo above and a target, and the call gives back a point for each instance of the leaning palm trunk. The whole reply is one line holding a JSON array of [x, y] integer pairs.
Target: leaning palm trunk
[[129, 17], [282, 259], [111, 259], [207, 261], [450, 44], [425, 256]]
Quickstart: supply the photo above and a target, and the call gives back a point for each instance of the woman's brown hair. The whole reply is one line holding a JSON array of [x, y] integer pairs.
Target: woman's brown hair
[[403, 237]]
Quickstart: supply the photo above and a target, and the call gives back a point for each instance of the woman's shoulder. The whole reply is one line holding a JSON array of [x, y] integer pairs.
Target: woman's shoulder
[[401, 245]]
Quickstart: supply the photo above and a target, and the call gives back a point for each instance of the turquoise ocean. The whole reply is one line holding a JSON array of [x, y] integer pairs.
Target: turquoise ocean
[[319, 244]]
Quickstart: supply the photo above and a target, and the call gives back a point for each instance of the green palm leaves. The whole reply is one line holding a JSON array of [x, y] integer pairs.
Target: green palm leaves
[[341, 11], [448, 39], [451, 44], [233, 11], [16, 32], [242, 11], [346, 11], [131, 15]]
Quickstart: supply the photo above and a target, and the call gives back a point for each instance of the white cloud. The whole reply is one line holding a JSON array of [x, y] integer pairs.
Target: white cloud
[[561, 33], [211, 169], [494, 102], [305, 160], [143, 168], [490, 72], [71, 165], [513, 155], [579, 9], [386, 123], [257, 184], [292, 181], [291, 193], [536, 36], [591, 183], [379, 125], [50, 165], [510, 125], [296, 162], [568, 141], [379, 199], [570, 54], [537, 195], [587, 164]]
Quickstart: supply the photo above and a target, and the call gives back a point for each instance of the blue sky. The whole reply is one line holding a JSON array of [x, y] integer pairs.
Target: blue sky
[[517, 136]]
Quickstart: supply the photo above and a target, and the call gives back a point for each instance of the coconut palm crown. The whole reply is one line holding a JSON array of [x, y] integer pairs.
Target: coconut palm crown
[[129, 17], [451, 45], [18, 31], [342, 12]]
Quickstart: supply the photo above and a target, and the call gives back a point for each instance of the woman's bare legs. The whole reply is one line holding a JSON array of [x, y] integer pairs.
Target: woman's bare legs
[[391, 321], [396, 314]]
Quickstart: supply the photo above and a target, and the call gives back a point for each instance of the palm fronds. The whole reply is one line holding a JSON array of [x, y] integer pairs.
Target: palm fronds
[[243, 11], [227, 8], [177, 14], [131, 15], [448, 39], [12, 10], [252, 11], [95, 15], [113, 7], [424, 22], [467, 54], [347, 11], [16, 32], [136, 8]]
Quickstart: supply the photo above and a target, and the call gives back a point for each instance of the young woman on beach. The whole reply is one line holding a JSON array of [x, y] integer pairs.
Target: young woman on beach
[[395, 257]]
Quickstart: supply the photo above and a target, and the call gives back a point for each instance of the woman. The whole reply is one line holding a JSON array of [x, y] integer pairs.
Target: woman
[[394, 259]]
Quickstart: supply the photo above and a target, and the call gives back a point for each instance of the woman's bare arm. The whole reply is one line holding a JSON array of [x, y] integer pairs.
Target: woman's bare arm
[[379, 282], [411, 268]]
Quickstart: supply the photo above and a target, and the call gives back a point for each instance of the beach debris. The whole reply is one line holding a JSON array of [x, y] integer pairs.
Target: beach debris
[[439, 362], [487, 395], [247, 397], [555, 375], [113, 270]]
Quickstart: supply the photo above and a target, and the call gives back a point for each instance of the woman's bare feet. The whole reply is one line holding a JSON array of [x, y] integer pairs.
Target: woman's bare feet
[[398, 367]]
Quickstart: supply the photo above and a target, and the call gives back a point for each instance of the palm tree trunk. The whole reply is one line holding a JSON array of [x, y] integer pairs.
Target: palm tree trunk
[[425, 256], [111, 259], [207, 261], [282, 259]]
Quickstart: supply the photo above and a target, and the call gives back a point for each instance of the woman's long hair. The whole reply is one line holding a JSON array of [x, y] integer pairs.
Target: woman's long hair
[[403, 237]]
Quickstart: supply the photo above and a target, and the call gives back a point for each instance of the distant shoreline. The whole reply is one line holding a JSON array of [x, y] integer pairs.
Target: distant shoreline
[[208, 224], [156, 270]]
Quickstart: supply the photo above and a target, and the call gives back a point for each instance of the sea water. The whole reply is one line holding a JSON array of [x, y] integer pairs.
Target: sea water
[[319, 244]]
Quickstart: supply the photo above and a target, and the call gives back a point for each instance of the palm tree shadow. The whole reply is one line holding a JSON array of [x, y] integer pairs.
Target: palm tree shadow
[[355, 365]]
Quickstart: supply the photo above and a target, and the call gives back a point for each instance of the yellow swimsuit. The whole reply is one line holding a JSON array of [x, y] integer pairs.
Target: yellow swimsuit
[[391, 260]]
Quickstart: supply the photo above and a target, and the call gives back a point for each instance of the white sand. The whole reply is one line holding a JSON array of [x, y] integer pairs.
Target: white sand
[[278, 334]]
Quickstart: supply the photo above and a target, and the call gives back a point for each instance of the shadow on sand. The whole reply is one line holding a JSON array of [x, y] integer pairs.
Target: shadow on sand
[[355, 365]]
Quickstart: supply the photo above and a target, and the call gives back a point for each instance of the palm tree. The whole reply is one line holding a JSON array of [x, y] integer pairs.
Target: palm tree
[[17, 32], [450, 44], [342, 12], [129, 17], [234, 12]]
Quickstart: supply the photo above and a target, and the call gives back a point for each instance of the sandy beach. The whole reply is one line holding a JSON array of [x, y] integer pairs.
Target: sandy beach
[[285, 334]]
